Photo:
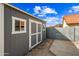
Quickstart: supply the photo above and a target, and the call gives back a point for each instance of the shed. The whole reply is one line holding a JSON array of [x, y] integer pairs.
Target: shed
[[19, 31]]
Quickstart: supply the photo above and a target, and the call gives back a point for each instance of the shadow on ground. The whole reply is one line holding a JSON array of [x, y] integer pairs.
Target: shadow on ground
[[62, 45], [55, 46], [42, 49]]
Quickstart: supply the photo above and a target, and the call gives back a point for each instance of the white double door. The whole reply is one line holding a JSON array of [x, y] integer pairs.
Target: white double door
[[35, 33]]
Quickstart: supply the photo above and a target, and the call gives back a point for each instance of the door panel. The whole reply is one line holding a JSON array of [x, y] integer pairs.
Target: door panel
[[39, 32], [39, 37], [33, 27], [33, 40], [39, 27], [35, 31]]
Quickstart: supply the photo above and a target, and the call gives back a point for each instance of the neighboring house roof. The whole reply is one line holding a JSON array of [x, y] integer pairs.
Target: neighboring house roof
[[71, 19], [22, 11]]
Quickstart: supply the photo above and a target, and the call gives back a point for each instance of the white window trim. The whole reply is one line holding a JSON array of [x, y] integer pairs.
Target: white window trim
[[36, 26], [13, 25]]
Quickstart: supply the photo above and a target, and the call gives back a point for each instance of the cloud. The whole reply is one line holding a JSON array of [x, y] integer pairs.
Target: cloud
[[27, 9], [37, 9], [74, 9], [70, 11], [41, 15], [49, 11], [62, 16], [43, 10], [52, 20]]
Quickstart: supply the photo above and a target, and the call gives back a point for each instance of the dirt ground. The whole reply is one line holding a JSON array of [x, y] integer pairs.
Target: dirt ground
[[42, 49]]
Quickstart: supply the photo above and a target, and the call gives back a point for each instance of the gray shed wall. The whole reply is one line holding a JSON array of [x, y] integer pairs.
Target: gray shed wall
[[15, 44]]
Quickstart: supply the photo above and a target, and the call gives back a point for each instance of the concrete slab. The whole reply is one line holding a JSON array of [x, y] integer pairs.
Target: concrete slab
[[76, 43], [42, 49], [64, 48]]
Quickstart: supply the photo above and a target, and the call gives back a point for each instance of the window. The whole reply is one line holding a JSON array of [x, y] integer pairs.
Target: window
[[33, 27], [44, 27], [39, 27], [18, 25], [22, 25]]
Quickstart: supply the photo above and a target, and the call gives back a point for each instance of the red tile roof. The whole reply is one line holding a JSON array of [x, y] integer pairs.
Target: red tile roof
[[71, 19]]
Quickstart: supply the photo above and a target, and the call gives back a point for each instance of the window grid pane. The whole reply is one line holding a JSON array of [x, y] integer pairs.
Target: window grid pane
[[21, 25], [39, 27], [17, 25]]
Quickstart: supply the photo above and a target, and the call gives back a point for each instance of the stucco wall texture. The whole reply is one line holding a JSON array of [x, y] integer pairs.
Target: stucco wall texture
[[67, 33]]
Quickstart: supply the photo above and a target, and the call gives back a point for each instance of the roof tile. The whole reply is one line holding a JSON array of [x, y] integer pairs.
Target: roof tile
[[71, 19]]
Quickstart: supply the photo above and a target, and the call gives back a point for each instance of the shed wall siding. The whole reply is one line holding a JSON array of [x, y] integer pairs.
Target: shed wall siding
[[15, 44]]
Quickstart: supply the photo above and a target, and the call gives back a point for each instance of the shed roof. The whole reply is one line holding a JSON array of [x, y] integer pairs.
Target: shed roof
[[23, 11], [72, 19]]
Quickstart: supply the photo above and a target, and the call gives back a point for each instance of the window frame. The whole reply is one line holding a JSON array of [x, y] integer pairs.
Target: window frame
[[13, 25], [44, 27]]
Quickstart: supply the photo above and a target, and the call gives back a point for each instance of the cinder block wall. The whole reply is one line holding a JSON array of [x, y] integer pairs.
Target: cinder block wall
[[67, 33]]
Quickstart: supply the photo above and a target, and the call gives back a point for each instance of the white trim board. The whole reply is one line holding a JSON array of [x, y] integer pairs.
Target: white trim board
[[1, 29], [13, 25]]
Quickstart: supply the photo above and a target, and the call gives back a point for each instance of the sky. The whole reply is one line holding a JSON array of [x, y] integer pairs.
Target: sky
[[51, 12]]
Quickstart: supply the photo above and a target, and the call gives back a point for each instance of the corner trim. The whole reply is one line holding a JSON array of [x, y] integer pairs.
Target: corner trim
[[1, 29]]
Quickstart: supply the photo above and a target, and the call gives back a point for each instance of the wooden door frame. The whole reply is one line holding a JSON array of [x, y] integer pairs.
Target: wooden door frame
[[30, 20]]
